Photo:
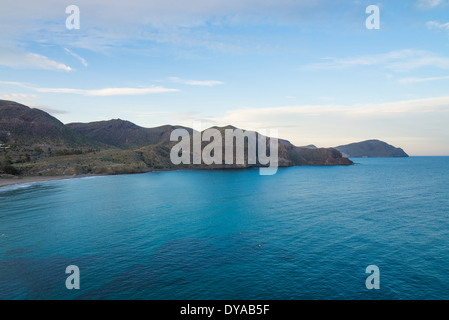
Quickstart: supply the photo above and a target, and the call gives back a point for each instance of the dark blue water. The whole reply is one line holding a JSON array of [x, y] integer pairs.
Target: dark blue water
[[196, 234]]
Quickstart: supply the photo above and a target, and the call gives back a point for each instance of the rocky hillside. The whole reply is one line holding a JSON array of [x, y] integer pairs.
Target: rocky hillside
[[24, 126], [288, 154], [371, 149], [34, 143], [124, 134]]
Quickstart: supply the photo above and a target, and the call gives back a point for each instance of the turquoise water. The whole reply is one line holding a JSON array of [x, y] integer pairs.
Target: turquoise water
[[196, 234]]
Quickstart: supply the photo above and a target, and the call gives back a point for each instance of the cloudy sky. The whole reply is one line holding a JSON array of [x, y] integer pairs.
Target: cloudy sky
[[310, 69]]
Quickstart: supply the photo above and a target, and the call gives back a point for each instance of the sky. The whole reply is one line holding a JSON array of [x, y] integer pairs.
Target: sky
[[310, 69]]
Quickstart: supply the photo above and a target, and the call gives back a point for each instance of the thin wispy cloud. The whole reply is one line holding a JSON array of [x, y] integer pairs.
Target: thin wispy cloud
[[12, 57], [81, 59], [427, 4], [16, 83], [263, 116], [399, 60], [18, 96], [108, 91], [104, 92], [207, 83], [411, 80], [437, 25]]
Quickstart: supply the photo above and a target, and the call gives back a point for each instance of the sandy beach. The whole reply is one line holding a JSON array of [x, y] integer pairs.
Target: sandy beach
[[7, 182]]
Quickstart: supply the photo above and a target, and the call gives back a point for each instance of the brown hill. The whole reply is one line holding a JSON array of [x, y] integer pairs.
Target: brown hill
[[124, 134], [24, 126]]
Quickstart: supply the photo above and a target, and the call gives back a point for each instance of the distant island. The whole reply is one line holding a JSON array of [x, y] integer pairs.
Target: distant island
[[371, 149], [34, 143]]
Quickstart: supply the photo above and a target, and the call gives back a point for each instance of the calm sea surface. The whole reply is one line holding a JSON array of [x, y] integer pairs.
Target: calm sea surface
[[196, 234]]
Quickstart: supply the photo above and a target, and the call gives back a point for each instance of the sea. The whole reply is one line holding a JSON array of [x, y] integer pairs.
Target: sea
[[304, 233]]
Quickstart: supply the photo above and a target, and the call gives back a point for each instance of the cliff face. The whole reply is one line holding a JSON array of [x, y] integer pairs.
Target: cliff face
[[371, 149], [35, 143], [288, 154], [320, 156]]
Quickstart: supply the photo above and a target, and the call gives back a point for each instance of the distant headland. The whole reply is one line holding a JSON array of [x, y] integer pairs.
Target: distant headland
[[371, 149]]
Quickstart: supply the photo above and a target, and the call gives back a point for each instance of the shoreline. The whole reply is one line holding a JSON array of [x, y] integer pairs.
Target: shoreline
[[31, 179], [14, 181]]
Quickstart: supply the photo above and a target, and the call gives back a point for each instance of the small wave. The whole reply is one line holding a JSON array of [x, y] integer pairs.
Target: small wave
[[18, 186], [24, 185], [88, 178]]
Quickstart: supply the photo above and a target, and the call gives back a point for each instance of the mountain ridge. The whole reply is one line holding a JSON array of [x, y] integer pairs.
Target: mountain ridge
[[39, 144], [22, 125], [124, 134]]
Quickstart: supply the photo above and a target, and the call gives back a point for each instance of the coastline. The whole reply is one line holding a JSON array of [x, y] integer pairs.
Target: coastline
[[30, 179], [13, 181]]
